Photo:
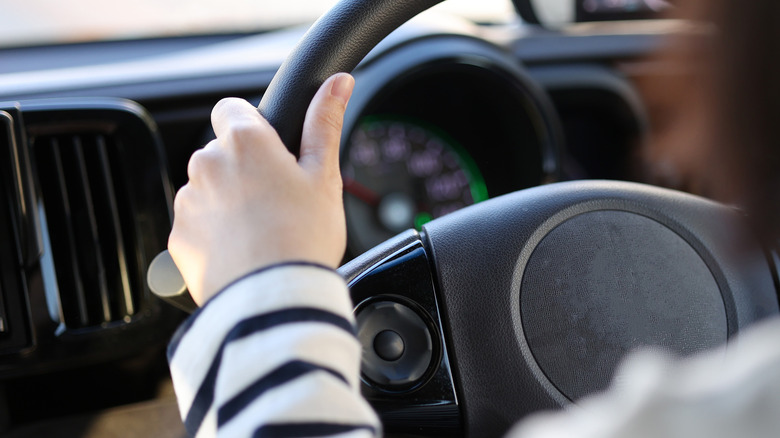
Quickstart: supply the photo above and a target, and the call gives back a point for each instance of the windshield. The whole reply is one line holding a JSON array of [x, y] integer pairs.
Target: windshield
[[56, 21]]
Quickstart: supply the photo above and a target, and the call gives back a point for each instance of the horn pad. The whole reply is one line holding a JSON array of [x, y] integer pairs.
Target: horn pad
[[601, 283]]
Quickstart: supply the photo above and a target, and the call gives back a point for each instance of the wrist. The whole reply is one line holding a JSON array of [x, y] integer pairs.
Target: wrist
[[207, 294]]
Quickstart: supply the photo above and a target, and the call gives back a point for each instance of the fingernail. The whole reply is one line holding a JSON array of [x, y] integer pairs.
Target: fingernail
[[342, 86]]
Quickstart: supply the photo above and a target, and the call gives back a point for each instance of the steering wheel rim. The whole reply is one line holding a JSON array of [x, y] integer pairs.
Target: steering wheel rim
[[335, 43], [482, 263]]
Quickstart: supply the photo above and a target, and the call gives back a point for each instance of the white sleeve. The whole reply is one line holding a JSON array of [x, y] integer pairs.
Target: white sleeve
[[733, 392], [273, 354]]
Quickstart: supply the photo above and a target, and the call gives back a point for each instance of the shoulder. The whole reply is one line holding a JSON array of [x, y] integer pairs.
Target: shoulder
[[730, 391]]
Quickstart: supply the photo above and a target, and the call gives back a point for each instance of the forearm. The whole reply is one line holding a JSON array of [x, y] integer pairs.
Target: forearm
[[274, 350]]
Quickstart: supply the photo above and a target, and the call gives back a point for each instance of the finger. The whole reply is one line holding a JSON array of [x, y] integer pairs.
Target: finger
[[204, 164], [181, 200], [187, 261], [322, 127], [238, 118], [213, 144]]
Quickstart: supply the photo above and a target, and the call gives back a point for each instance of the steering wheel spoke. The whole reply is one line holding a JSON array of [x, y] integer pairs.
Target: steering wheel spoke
[[406, 371]]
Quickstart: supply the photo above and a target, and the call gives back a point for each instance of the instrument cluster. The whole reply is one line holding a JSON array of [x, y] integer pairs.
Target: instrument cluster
[[430, 133]]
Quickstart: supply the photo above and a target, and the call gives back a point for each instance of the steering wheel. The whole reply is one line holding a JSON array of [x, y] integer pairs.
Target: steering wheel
[[527, 301]]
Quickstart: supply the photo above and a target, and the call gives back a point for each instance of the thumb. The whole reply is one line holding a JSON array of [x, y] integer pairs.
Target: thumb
[[323, 123]]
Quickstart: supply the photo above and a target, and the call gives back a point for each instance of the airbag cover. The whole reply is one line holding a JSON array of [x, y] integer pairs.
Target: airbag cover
[[603, 282]]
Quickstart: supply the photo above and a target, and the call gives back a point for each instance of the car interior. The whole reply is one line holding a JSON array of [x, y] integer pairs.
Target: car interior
[[498, 199]]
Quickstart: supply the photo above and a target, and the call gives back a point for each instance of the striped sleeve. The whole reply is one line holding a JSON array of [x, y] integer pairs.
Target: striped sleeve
[[273, 355]]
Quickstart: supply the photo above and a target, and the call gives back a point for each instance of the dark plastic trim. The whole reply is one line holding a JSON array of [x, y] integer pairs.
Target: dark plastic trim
[[54, 345]]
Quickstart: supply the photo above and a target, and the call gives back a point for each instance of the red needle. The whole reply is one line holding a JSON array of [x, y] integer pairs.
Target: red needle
[[361, 192]]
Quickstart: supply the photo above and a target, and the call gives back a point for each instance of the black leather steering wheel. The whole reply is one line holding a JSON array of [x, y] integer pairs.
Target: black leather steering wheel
[[337, 42], [527, 301]]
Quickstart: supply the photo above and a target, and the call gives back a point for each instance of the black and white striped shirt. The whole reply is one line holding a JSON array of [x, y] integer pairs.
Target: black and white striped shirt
[[274, 354]]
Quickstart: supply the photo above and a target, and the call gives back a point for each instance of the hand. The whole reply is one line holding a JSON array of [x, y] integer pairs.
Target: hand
[[249, 204]]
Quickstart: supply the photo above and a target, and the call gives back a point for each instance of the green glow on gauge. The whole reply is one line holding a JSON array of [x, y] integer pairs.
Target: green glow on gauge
[[477, 184], [421, 219], [478, 188]]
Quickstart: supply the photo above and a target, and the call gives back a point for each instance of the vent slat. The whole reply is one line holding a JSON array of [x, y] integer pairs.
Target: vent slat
[[82, 197], [95, 273], [121, 254], [63, 238]]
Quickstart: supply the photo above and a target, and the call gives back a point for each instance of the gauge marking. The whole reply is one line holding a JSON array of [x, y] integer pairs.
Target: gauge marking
[[401, 173]]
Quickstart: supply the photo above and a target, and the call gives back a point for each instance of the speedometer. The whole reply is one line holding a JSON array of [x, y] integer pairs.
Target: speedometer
[[399, 174]]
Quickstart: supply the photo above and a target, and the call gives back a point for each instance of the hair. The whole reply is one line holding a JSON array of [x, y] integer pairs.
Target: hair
[[719, 132]]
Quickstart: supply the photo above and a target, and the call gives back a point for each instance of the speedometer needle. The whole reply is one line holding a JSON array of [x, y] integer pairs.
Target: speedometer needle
[[361, 192]]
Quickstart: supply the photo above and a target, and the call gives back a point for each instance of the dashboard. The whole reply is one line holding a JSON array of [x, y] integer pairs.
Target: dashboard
[[97, 137]]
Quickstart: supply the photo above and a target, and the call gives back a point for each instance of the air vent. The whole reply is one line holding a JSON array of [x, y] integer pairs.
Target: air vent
[[86, 203]]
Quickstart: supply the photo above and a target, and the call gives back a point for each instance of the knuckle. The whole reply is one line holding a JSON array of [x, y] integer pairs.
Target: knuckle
[[194, 165], [243, 135], [213, 144], [180, 200], [222, 105], [174, 242], [202, 164], [242, 131]]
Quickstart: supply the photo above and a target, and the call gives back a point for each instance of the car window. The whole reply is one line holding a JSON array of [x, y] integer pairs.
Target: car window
[[55, 21]]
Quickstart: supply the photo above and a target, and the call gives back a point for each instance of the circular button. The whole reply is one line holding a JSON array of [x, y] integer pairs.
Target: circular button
[[389, 345]]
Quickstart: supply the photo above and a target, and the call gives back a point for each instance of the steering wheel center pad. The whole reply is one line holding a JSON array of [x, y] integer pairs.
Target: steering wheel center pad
[[601, 283], [544, 290]]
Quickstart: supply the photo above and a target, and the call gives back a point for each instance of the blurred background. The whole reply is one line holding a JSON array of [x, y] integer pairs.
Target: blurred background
[[45, 21]]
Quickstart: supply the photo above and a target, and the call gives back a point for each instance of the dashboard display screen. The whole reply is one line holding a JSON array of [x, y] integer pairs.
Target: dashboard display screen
[[605, 10]]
